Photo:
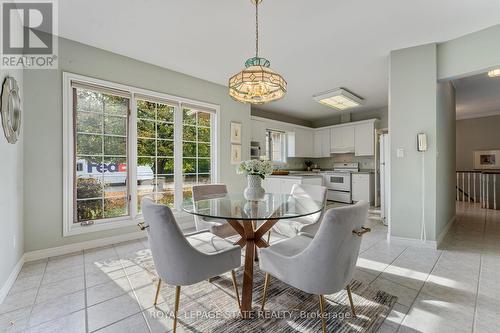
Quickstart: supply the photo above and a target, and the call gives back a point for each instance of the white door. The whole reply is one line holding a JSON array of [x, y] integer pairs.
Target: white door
[[348, 137], [318, 152], [360, 187], [364, 139], [325, 143]]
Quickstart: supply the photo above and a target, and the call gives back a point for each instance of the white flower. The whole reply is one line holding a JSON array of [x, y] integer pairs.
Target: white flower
[[255, 167]]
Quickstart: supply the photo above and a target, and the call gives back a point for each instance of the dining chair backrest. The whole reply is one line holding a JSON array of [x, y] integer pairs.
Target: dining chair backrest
[[331, 257], [315, 192], [172, 254], [207, 191]]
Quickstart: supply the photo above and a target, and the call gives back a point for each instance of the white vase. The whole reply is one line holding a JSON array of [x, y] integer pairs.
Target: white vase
[[254, 190]]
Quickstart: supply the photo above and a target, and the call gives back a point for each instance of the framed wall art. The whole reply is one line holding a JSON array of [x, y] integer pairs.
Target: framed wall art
[[235, 132], [235, 154]]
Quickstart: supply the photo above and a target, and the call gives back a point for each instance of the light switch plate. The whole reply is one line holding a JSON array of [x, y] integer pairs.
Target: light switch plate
[[400, 152]]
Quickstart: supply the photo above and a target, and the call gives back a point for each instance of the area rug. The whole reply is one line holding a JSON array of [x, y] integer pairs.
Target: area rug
[[212, 307]]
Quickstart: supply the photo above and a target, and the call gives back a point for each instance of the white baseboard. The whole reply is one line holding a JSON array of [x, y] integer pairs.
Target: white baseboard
[[12, 278], [443, 233], [413, 242], [70, 248]]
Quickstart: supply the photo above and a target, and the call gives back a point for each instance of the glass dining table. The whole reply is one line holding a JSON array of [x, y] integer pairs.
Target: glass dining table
[[252, 219]]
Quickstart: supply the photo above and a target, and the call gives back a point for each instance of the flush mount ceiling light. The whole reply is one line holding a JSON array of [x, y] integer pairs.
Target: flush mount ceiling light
[[494, 73], [257, 83], [340, 99]]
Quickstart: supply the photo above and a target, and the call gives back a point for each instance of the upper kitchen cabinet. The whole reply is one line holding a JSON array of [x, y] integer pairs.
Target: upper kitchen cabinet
[[342, 139], [258, 132], [322, 143], [300, 142], [364, 139]]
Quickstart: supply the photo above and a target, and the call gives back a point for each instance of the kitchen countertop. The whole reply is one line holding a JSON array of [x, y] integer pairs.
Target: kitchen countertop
[[365, 171], [298, 175]]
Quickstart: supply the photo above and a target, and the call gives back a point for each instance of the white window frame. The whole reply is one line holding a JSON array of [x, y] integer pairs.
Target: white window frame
[[70, 228], [283, 147]]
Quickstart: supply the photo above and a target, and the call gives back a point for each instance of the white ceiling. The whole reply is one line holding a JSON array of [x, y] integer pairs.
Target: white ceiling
[[477, 96], [316, 45]]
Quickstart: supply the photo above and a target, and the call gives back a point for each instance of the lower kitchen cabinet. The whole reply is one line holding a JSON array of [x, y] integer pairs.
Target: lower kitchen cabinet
[[363, 187], [284, 184]]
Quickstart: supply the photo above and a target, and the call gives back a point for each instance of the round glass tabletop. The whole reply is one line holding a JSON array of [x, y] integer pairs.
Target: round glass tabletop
[[235, 206]]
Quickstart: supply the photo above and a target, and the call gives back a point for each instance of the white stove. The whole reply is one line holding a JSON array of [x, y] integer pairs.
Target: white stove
[[338, 181]]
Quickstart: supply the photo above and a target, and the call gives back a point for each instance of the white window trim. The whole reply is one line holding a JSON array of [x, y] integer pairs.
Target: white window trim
[[70, 228], [284, 148]]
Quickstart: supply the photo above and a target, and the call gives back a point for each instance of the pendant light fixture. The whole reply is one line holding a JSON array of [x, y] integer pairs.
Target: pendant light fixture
[[257, 83]]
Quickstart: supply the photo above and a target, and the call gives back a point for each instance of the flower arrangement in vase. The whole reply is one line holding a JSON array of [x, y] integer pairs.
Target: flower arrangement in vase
[[256, 171]]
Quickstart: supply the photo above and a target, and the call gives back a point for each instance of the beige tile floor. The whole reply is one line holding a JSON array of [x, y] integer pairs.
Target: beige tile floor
[[454, 289]]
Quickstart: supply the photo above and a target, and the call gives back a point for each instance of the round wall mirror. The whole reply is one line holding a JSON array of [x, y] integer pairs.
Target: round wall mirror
[[11, 110]]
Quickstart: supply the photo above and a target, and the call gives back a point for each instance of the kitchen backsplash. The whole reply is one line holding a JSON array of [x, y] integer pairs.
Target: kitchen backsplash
[[297, 163]]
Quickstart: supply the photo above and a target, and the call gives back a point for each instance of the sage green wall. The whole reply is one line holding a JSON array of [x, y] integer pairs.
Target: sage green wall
[[446, 156], [43, 131], [11, 194], [476, 134], [412, 109], [416, 104], [471, 54]]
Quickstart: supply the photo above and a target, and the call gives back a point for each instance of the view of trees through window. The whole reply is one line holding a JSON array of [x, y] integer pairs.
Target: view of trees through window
[[196, 149], [101, 155], [155, 152]]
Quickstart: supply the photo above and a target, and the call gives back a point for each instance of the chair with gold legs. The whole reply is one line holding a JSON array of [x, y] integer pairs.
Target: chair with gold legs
[[323, 264], [185, 260]]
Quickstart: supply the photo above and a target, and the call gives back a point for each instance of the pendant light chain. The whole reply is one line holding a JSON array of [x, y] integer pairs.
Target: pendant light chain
[[256, 29]]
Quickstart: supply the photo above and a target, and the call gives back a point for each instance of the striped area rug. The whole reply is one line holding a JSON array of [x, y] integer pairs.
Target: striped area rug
[[212, 307]]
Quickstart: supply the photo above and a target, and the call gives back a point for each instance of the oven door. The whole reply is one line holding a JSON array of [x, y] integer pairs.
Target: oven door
[[340, 181]]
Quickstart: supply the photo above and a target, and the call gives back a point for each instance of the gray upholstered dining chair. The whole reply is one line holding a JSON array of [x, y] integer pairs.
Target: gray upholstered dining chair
[[185, 260], [216, 226], [292, 227], [321, 265]]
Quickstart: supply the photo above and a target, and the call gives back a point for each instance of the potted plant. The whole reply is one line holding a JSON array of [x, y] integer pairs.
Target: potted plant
[[308, 165], [256, 171]]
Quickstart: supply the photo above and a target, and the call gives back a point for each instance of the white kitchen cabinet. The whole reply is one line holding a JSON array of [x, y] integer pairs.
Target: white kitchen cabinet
[[322, 143], [362, 187], [284, 184], [364, 139], [258, 132], [300, 142], [342, 139]]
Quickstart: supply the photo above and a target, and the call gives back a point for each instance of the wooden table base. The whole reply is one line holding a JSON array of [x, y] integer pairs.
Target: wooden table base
[[251, 238]]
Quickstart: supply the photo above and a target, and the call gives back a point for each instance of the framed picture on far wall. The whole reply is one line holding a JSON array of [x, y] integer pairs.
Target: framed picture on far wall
[[235, 132], [235, 154]]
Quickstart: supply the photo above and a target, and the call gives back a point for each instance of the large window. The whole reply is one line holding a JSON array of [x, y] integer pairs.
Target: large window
[[100, 172], [123, 143]]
